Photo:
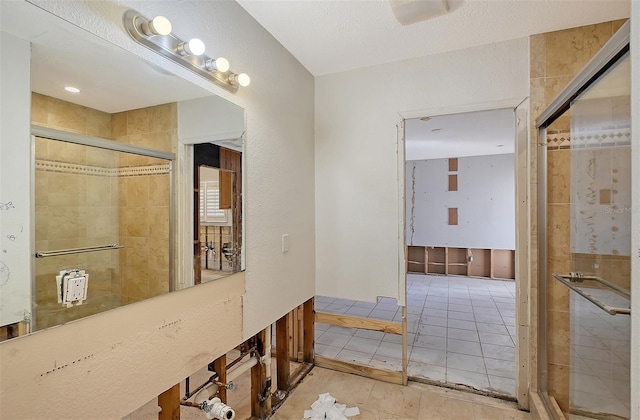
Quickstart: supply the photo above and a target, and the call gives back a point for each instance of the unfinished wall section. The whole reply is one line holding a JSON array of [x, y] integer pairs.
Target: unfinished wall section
[[484, 197]]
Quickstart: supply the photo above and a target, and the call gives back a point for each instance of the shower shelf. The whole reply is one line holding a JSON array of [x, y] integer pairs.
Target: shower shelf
[[572, 278], [44, 254]]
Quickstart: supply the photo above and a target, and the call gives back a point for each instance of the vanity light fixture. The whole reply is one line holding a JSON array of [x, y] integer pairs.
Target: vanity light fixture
[[193, 47], [159, 25], [220, 64], [241, 79], [156, 35]]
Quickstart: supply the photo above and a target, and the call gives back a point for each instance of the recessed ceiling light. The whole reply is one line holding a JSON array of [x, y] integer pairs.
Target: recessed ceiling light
[[72, 89]]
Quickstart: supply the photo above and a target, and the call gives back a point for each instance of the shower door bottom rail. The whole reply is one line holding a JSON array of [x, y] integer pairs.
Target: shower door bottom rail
[[569, 280]]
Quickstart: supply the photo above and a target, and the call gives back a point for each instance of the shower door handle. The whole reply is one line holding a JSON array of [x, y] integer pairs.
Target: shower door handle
[[570, 279]]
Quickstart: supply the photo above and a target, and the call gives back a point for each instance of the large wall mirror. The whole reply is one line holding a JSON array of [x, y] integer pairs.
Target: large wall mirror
[[107, 128]]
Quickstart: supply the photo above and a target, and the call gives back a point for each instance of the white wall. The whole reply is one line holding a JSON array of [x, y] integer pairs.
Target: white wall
[[485, 201], [279, 198], [635, 245], [357, 195], [15, 180]]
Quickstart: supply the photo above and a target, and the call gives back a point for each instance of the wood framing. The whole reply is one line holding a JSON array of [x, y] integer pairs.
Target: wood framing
[[358, 322], [14, 330], [308, 320], [474, 262], [260, 398], [405, 356], [394, 377], [453, 165], [453, 216], [453, 183], [282, 353], [169, 402], [220, 366]]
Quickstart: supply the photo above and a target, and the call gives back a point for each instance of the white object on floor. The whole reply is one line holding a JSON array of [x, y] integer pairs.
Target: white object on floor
[[326, 407]]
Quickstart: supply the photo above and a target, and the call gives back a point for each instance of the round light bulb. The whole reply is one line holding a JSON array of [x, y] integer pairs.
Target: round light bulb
[[195, 46], [221, 64], [243, 79], [159, 25]]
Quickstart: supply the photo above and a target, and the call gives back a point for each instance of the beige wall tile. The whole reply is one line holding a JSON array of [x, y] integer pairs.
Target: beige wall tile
[[39, 109], [98, 124], [559, 385], [135, 282], [158, 282], [67, 116], [159, 188], [137, 254], [159, 253], [138, 121], [158, 222], [136, 221], [118, 125], [558, 230], [558, 337], [559, 176], [137, 191], [160, 118], [570, 49], [538, 54]]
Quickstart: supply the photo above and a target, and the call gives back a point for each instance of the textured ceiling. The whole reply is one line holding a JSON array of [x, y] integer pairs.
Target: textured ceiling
[[334, 36]]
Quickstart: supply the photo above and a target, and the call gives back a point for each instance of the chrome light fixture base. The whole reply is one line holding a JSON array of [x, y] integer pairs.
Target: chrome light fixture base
[[169, 46]]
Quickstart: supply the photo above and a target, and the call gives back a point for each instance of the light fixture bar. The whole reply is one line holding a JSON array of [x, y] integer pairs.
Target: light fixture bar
[[172, 47]]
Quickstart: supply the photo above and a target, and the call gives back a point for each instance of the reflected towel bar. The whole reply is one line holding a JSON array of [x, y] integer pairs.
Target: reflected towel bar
[[569, 279], [44, 254]]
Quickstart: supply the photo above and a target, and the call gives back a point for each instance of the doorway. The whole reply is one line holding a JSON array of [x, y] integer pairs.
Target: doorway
[[460, 192], [217, 230]]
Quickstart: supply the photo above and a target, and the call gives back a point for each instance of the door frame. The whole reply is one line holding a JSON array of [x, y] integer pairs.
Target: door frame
[[526, 344]]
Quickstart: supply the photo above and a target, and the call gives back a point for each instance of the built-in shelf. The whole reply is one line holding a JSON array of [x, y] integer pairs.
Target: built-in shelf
[[472, 262]]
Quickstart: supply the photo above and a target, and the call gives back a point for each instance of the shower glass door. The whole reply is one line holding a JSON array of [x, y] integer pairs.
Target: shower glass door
[[104, 214], [588, 234]]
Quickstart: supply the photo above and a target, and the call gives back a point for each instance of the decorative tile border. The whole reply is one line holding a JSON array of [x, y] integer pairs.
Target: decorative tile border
[[611, 137], [73, 168]]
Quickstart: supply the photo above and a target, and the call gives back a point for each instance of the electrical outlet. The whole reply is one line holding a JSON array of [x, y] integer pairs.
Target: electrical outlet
[[285, 243]]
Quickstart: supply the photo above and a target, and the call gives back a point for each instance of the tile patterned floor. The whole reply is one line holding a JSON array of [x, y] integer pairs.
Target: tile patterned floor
[[380, 400], [600, 355], [461, 330]]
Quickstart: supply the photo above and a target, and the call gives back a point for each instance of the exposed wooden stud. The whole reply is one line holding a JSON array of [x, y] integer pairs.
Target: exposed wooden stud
[[453, 216], [405, 357], [453, 164], [394, 377], [446, 253], [260, 395], [309, 331], [282, 353], [169, 402], [359, 322], [220, 366], [453, 182]]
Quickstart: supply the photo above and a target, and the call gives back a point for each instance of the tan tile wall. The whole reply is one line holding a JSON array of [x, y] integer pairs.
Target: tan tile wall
[[130, 210], [74, 210], [144, 202], [555, 58]]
